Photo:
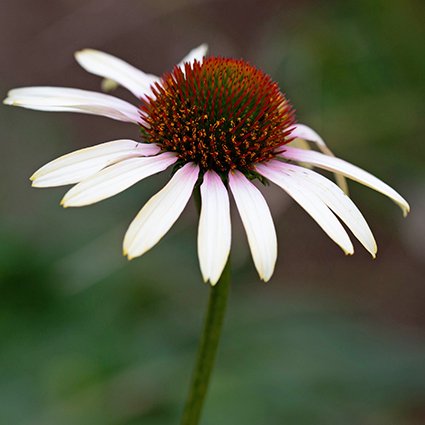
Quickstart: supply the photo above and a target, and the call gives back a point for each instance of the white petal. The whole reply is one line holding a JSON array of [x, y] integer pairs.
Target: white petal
[[302, 194], [214, 232], [258, 223], [116, 178], [112, 68], [338, 202], [160, 212], [351, 171], [78, 165], [64, 99], [196, 54], [301, 131]]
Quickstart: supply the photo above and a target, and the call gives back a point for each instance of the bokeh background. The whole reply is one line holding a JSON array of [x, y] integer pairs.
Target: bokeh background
[[88, 338]]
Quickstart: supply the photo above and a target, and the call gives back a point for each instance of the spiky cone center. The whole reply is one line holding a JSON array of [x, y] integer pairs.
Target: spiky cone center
[[222, 114]]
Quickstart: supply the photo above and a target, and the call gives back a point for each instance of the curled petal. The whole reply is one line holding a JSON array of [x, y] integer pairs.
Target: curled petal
[[351, 171]]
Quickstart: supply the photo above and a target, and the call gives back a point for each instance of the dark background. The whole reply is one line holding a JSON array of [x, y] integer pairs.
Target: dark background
[[88, 338]]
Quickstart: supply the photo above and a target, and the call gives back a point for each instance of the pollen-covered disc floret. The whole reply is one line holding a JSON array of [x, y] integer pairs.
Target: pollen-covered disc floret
[[222, 114]]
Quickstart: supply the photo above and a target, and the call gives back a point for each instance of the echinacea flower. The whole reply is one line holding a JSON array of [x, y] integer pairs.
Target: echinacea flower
[[221, 123]]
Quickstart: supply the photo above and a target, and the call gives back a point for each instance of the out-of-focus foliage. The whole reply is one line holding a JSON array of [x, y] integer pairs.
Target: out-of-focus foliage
[[88, 338], [120, 352]]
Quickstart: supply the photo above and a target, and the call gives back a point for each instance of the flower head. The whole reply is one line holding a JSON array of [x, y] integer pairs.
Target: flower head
[[221, 114], [221, 123]]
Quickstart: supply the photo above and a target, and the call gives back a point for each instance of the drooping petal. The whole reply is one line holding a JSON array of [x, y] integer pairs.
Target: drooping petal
[[108, 66], [196, 54], [258, 223], [301, 193], [64, 99], [351, 171], [302, 131], [116, 178], [160, 212], [337, 201], [78, 165], [214, 232]]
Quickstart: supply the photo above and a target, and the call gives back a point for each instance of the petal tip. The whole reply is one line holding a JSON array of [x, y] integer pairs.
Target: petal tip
[[374, 251], [348, 249], [212, 282], [405, 208], [131, 253], [265, 277], [207, 279], [128, 255], [79, 53], [126, 252], [10, 101], [65, 202]]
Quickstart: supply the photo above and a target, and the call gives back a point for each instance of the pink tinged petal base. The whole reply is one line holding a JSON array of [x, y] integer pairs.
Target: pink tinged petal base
[[351, 171], [110, 67], [64, 99], [301, 193], [160, 212], [301, 131], [116, 178], [79, 165], [336, 200], [258, 223], [214, 232]]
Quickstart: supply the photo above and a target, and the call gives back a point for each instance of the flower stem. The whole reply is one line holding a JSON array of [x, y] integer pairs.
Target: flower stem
[[207, 349]]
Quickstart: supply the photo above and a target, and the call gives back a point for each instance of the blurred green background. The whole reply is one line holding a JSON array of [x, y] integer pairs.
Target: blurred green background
[[88, 338]]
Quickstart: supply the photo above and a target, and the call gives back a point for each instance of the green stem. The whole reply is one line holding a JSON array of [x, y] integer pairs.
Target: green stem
[[207, 349]]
